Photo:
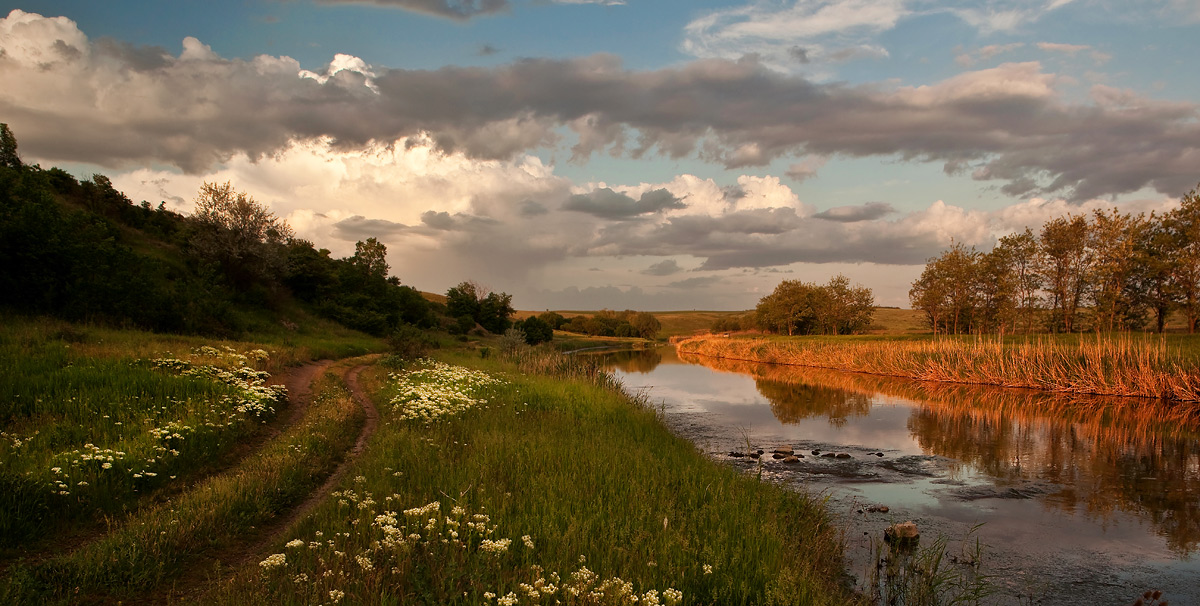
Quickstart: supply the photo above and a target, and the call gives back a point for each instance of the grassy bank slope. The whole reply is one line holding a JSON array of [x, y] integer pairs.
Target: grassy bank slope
[[549, 486], [1128, 365]]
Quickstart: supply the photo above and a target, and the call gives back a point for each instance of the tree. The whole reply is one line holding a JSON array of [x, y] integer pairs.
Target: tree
[[1113, 238], [1183, 227], [947, 290], [789, 308], [240, 235], [644, 324], [491, 310], [1020, 251], [371, 257], [1066, 263], [463, 300], [1153, 260], [8, 148], [536, 330], [844, 309]]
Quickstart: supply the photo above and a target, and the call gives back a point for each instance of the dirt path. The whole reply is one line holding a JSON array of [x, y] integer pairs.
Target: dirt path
[[298, 381], [283, 525], [215, 567]]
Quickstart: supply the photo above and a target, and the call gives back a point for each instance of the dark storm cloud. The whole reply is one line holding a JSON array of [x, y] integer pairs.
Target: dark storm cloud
[[529, 208], [851, 214], [460, 10], [137, 58], [444, 221], [1008, 124], [663, 268], [775, 237], [697, 282], [359, 227], [608, 204]]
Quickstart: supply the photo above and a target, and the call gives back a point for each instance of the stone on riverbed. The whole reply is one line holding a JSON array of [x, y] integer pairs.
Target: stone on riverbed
[[902, 534]]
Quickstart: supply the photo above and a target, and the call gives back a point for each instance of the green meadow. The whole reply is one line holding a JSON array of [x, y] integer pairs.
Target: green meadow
[[491, 479]]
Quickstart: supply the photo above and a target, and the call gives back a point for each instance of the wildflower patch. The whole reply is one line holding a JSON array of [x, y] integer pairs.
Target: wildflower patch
[[463, 549], [439, 390]]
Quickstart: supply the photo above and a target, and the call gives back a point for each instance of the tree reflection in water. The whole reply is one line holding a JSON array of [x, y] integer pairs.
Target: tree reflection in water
[[1103, 454]]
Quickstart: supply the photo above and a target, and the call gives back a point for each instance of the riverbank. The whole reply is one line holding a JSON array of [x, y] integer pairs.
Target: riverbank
[[486, 480], [1121, 366], [559, 487]]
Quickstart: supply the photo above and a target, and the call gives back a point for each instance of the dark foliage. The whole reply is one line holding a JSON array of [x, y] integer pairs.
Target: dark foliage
[[84, 251]]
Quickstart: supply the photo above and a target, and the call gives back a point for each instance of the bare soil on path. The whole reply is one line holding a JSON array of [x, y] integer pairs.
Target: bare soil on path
[[297, 380], [220, 565]]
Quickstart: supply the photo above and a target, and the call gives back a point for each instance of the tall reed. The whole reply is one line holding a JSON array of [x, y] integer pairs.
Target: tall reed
[[1121, 366]]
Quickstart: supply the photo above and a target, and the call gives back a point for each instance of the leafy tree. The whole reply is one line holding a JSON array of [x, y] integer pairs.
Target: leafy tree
[[491, 310], [240, 235], [790, 308], [1154, 262], [536, 330], [1183, 226], [947, 290], [463, 300], [644, 324], [844, 309], [1066, 261], [554, 319], [1020, 256], [8, 148], [1114, 238], [371, 257], [494, 312]]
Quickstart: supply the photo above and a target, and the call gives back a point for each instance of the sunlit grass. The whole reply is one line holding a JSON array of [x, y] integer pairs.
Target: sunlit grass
[[158, 542], [576, 488], [91, 425], [1122, 365]]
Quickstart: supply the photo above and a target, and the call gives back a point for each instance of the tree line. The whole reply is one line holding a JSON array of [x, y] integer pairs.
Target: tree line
[[1104, 271], [82, 250]]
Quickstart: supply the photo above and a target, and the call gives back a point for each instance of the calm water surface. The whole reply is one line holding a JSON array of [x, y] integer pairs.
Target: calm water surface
[[1081, 500]]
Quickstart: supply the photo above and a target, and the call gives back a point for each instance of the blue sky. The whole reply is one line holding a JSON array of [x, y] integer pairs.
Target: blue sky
[[649, 154]]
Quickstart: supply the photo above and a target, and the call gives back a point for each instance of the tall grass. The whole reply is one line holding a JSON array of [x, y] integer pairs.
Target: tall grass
[[1120, 366], [159, 542], [581, 488], [90, 426]]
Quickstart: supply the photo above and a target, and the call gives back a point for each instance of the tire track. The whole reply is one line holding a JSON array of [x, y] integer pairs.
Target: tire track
[[222, 565]]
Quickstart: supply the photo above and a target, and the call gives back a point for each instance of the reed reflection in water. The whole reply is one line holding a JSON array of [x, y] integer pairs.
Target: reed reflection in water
[[1090, 456]]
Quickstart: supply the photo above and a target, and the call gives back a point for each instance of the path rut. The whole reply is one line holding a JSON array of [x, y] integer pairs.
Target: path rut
[[221, 565]]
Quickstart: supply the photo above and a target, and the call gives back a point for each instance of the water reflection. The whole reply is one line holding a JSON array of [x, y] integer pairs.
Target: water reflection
[[1092, 456]]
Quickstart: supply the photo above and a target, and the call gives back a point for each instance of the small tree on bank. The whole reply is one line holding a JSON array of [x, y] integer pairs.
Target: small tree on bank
[[801, 308]]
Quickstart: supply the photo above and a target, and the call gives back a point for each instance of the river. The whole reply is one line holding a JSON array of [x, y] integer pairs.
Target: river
[[1073, 500]]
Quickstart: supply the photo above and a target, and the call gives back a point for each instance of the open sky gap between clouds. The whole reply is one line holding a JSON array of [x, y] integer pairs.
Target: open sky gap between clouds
[[113, 104]]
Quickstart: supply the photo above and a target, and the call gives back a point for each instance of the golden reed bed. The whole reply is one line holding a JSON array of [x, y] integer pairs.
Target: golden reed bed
[[1115, 367]]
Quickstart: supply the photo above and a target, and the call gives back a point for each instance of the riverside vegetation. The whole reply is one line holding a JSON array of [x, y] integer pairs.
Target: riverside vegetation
[[485, 483], [1130, 365]]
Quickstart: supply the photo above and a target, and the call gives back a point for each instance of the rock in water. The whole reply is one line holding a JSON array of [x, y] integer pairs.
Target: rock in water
[[734, 453], [843, 455], [902, 534], [778, 455]]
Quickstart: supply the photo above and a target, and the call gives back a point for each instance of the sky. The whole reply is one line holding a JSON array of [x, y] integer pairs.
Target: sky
[[641, 154]]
